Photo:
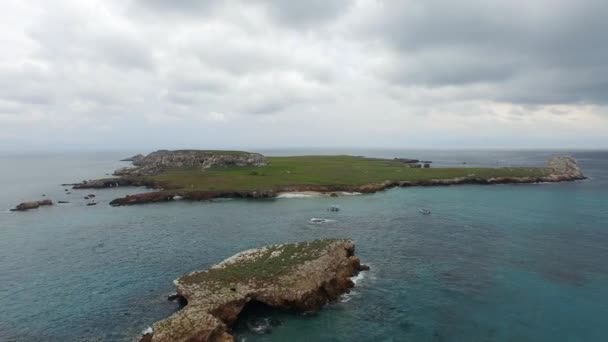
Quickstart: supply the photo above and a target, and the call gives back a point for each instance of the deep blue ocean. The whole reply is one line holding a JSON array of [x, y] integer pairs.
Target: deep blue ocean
[[491, 263]]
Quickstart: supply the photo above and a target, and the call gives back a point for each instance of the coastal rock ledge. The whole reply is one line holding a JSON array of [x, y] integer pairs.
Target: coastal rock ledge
[[301, 276]]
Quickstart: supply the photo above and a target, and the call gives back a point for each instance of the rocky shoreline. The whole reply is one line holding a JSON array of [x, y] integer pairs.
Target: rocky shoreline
[[301, 277]]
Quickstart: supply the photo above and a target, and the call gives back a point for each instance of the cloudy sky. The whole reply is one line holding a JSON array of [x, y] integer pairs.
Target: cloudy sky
[[283, 73]]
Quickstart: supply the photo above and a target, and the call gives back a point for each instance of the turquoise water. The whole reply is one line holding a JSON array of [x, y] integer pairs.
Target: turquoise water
[[492, 263]]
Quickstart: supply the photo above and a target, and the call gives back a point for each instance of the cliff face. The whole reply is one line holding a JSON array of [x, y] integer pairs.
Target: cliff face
[[159, 161], [302, 276]]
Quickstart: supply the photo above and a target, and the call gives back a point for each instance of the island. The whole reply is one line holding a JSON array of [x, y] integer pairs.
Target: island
[[204, 175], [297, 277]]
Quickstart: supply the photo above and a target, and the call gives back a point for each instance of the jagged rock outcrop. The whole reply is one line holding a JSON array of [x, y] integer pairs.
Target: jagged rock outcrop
[[135, 159], [566, 167], [407, 160], [303, 276], [159, 161], [32, 205]]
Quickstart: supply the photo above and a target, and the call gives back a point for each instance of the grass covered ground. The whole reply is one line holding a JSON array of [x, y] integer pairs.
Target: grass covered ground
[[266, 264], [346, 171]]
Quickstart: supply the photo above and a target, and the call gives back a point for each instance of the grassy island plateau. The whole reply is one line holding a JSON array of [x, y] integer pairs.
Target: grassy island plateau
[[206, 174]]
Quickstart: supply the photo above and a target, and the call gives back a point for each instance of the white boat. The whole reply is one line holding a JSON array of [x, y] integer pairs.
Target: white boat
[[425, 211], [316, 220]]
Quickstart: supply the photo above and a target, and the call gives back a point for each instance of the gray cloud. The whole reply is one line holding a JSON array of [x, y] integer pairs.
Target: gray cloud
[[539, 52], [306, 13], [296, 14]]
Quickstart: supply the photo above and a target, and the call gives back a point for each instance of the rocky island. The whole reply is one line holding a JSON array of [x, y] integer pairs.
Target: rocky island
[[202, 175], [32, 205], [300, 276]]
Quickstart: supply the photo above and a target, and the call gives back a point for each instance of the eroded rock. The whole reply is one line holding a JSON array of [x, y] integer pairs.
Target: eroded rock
[[303, 277]]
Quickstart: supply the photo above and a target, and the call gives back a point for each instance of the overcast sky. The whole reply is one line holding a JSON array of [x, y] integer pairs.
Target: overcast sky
[[281, 73]]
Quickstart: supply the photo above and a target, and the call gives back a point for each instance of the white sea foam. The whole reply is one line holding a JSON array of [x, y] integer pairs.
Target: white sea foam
[[294, 195], [345, 193], [356, 279], [347, 297]]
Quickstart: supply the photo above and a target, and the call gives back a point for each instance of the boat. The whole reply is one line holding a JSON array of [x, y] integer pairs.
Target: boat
[[334, 208], [319, 220], [92, 203], [425, 211]]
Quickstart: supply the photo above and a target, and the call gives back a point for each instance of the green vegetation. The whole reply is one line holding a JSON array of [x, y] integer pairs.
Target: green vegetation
[[215, 152], [265, 265], [337, 171]]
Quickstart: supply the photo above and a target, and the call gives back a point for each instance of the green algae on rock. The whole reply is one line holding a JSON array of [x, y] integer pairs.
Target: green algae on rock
[[300, 276]]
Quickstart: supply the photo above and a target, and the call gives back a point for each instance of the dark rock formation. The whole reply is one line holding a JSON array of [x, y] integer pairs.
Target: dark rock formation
[[112, 183], [159, 161], [407, 160], [167, 196], [135, 159], [149, 197], [302, 277], [364, 268], [32, 205]]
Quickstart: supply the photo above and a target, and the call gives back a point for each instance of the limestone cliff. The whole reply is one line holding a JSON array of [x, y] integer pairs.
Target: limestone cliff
[[302, 276], [162, 160], [566, 167]]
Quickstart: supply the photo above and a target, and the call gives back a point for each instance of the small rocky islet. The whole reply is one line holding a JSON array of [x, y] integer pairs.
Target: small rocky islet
[[24, 206], [297, 277]]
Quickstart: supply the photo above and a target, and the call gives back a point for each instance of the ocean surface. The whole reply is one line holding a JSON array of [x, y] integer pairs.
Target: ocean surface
[[491, 263]]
